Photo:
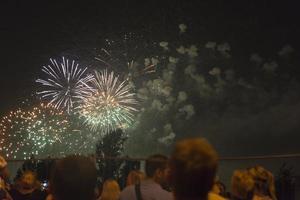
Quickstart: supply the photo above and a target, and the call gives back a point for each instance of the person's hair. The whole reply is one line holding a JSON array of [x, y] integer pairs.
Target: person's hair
[[242, 185], [193, 166], [28, 183], [111, 190], [134, 177], [3, 166], [29, 172], [264, 181], [155, 162], [221, 187], [74, 177]]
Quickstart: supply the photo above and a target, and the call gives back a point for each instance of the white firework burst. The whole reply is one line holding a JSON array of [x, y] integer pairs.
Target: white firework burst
[[111, 106], [66, 84]]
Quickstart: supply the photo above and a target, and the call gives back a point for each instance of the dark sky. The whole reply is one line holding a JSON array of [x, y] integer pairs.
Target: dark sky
[[33, 31]]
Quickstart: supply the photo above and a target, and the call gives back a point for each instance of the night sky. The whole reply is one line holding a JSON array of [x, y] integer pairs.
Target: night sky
[[33, 31]]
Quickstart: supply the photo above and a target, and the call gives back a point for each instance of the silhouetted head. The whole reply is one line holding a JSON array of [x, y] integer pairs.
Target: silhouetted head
[[264, 181], [111, 190], [242, 185], [157, 168], [28, 180], [193, 165], [74, 178], [4, 173]]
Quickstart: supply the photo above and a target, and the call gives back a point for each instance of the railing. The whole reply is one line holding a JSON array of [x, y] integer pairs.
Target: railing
[[278, 156]]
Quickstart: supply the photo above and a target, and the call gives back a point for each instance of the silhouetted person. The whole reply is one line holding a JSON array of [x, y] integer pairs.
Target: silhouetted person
[[264, 188], [150, 188], [242, 185], [193, 166], [219, 188], [27, 187], [4, 177], [74, 178], [111, 190]]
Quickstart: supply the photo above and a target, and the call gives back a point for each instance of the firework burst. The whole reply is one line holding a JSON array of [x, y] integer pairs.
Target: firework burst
[[112, 105], [48, 126], [66, 84], [131, 50], [34, 132]]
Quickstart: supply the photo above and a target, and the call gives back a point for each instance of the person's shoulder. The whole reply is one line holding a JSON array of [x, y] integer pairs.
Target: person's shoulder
[[49, 197], [167, 195], [261, 198], [128, 188], [213, 196], [127, 192]]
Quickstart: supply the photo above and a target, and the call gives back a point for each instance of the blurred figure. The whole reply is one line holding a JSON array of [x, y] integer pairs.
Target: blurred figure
[[27, 187], [193, 166], [74, 178], [111, 190], [50, 197], [242, 185], [219, 188], [151, 187], [4, 177], [264, 188], [135, 177], [98, 191]]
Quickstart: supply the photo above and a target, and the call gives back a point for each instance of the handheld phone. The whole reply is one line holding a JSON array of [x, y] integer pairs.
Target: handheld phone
[[45, 185]]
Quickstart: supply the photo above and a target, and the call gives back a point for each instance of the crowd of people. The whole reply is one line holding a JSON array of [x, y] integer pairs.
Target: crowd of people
[[189, 173]]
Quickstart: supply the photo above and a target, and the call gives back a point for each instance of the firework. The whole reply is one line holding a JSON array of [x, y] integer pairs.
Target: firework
[[12, 129], [33, 132], [112, 105], [66, 84], [129, 50], [47, 127]]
